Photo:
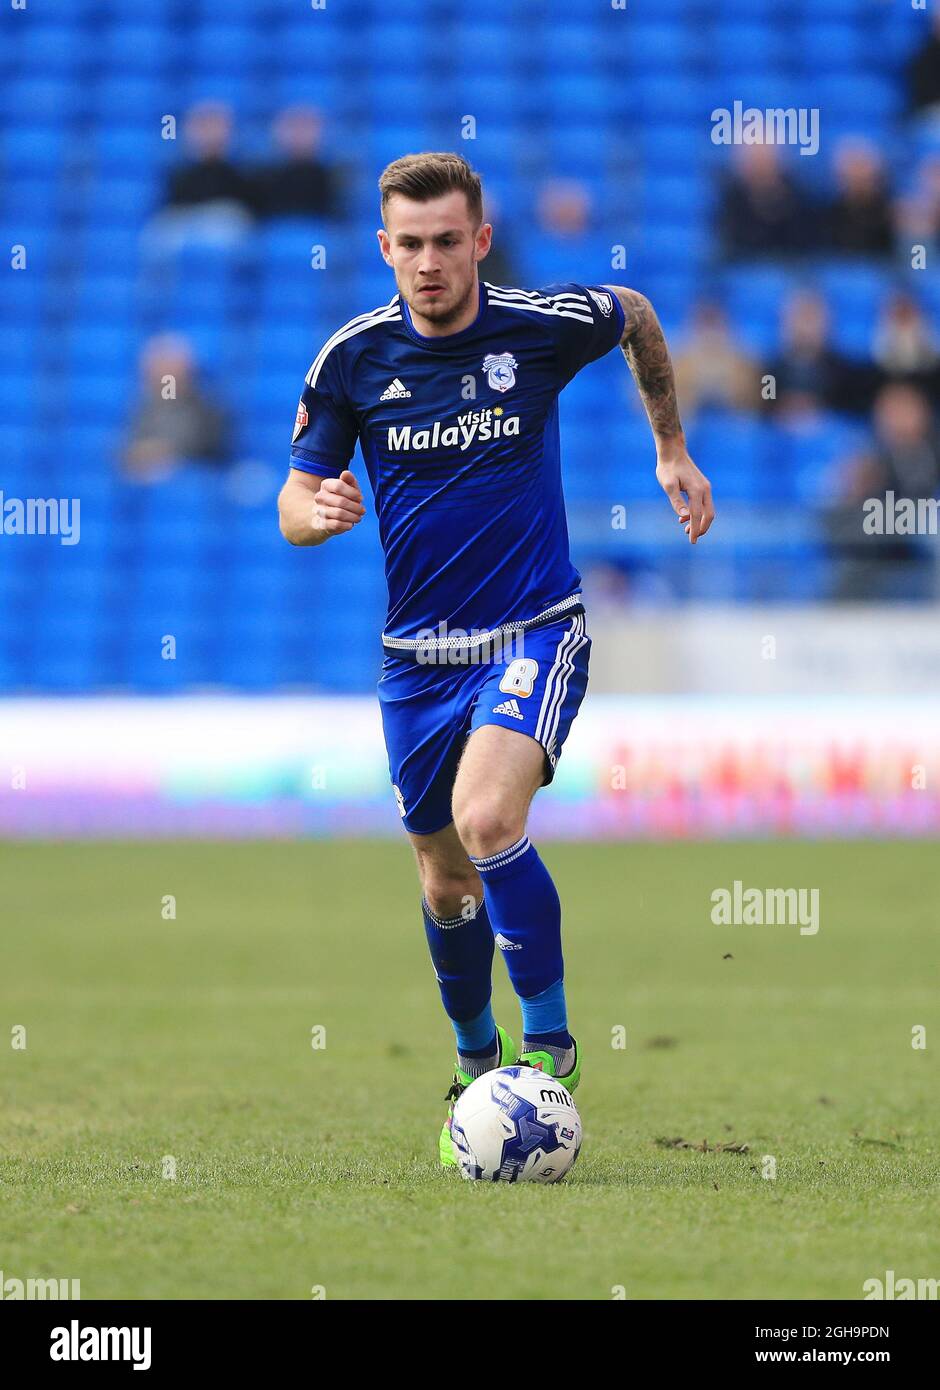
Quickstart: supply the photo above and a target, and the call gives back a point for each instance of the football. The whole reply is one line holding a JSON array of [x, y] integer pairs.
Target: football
[[515, 1124]]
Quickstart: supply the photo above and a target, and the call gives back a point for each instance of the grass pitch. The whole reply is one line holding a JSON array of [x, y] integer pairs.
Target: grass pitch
[[156, 1043]]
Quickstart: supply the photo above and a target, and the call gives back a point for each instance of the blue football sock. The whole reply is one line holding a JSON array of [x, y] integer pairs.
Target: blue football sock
[[564, 1057], [475, 1029], [544, 1016], [462, 954], [525, 915], [546, 1042], [476, 1060]]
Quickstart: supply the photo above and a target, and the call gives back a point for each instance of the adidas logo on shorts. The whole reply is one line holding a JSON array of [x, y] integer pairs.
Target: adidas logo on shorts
[[505, 944], [509, 707], [395, 391]]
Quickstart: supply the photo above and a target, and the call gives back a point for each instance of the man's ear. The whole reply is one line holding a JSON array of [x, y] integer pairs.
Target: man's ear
[[484, 240], [384, 245]]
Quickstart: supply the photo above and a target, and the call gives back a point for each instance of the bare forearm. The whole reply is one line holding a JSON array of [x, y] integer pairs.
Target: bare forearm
[[644, 347], [313, 510], [296, 514]]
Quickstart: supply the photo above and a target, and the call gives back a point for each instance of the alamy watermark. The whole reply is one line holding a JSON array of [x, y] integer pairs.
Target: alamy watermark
[[900, 516], [775, 125], [41, 516], [33, 1289], [457, 646], [77, 1343], [895, 1287], [738, 906]]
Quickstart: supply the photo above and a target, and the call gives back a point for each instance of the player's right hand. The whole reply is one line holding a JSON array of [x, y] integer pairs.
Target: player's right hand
[[337, 504]]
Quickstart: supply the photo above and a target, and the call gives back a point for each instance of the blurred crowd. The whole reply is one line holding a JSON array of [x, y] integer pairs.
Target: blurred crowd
[[213, 199], [211, 195], [764, 212]]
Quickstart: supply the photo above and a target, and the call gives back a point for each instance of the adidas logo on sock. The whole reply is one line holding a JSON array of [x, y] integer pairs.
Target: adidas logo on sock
[[509, 707], [505, 944], [395, 391]]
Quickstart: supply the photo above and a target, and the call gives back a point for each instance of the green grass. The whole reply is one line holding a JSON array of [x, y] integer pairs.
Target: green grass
[[299, 1167]]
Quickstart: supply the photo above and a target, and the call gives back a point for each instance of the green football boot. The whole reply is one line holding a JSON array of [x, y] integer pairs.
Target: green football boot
[[545, 1062], [508, 1056]]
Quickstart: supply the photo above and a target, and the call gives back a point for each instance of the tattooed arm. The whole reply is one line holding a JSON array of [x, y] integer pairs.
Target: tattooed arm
[[644, 347]]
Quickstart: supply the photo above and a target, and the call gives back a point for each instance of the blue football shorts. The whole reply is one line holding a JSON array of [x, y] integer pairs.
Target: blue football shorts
[[430, 709]]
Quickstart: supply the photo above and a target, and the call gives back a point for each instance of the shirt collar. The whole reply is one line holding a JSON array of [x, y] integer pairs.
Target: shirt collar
[[444, 340]]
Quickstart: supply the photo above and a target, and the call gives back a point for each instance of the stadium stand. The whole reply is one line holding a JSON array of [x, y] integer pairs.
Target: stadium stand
[[620, 101]]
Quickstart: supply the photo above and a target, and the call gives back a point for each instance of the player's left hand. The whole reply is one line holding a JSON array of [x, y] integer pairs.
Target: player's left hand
[[695, 510]]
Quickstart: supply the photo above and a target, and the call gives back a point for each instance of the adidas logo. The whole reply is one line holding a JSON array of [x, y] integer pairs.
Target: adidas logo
[[509, 707], [395, 391], [505, 944]]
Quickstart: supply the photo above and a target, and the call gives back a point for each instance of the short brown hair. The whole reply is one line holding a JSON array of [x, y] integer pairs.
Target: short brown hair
[[426, 176]]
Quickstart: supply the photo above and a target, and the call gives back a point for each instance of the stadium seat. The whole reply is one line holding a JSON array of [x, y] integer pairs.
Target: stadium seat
[[578, 93]]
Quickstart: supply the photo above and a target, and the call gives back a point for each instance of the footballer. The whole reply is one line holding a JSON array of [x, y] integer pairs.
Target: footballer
[[451, 389]]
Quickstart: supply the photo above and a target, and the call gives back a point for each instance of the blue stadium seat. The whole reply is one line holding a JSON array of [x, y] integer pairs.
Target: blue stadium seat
[[59, 669], [744, 43], [118, 148], [130, 40], [386, 43], [19, 397], [124, 96], [859, 11], [808, 453], [577, 93], [899, 33], [577, 149], [652, 43], [15, 439], [836, 47], [570, 44], [34, 150], [855, 293], [668, 147], [855, 96], [224, 46], [731, 450], [755, 298], [44, 47], [580, 97], [313, 46], [47, 99]]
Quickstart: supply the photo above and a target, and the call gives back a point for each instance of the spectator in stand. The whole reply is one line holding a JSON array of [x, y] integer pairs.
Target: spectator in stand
[[174, 421], [763, 211], [208, 197], [711, 370], [861, 221], [299, 183], [902, 465], [904, 347], [917, 214], [210, 177], [569, 239], [923, 75], [810, 374], [564, 207]]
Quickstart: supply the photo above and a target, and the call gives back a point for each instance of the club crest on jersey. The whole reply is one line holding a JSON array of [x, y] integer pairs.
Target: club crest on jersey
[[302, 421], [603, 302], [500, 370]]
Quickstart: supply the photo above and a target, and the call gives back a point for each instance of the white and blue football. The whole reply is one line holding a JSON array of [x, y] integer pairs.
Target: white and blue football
[[515, 1124]]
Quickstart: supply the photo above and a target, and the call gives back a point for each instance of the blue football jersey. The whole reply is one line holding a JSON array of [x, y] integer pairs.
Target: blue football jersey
[[460, 440]]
